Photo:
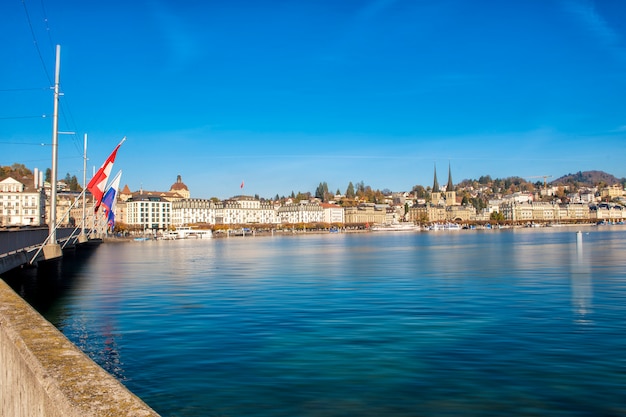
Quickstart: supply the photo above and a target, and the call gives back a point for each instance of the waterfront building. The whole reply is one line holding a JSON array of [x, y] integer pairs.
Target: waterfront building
[[304, 212], [482, 216], [517, 212], [149, 212], [548, 212], [458, 213], [606, 212], [545, 212], [245, 210], [333, 214], [431, 213], [575, 212], [366, 213], [395, 214], [418, 213], [22, 204], [192, 211]]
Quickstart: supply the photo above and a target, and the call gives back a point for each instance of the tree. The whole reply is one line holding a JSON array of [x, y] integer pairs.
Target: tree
[[322, 191], [420, 191], [350, 191], [48, 175], [302, 196], [484, 180], [497, 216], [72, 182], [479, 203], [20, 169]]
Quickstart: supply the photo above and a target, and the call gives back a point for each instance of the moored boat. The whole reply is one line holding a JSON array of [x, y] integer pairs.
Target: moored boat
[[396, 227]]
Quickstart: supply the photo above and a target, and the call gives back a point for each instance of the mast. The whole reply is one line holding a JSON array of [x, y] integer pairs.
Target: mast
[[82, 232], [55, 141]]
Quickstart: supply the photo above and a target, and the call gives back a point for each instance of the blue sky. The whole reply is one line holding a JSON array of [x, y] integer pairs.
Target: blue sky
[[286, 94]]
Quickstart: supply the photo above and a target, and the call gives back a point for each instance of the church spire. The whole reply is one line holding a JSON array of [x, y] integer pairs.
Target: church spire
[[450, 186], [435, 182]]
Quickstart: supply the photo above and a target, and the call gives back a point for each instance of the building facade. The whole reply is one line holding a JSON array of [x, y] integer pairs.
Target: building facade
[[304, 212], [149, 212], [192, 211], [333, 214], [21, 205], [245, 210], [366, 213]]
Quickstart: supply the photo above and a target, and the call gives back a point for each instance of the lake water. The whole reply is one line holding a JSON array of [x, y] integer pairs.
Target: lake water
[[524, 322]]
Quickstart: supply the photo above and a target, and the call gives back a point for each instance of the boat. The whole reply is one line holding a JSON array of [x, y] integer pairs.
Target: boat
[[445, 226], [396, 227], [186, 232], [169, 235]]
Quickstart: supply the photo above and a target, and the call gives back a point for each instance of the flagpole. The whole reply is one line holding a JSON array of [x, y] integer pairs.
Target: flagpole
[[55, 142], [82, 232]]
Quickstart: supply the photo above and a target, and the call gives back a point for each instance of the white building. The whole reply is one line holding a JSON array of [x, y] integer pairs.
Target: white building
[[149, 212], [192, 211], [245, 210], [333, 213], [518, 198], [21, 205], [304, 212]]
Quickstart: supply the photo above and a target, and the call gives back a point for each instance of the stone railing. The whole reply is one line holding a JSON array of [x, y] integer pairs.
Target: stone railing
[[43, 374]]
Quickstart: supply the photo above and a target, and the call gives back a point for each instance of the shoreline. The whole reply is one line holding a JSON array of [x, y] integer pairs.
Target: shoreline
[[287, 232]]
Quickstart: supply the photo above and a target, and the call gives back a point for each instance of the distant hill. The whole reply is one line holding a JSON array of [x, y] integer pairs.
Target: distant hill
[[587, 178]]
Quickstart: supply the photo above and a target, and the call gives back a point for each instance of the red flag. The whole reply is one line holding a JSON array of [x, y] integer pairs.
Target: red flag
[[241, 186], [99, 181]]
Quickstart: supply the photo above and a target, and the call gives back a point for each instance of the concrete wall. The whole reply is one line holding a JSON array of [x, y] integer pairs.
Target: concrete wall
[[43, 374]]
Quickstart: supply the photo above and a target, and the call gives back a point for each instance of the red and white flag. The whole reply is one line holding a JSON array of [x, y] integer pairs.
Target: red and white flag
[[241, 186], [99, 181]]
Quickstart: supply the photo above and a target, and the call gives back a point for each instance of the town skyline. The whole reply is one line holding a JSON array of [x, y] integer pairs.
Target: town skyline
[[280, 96], [442, 179], [512, 200]]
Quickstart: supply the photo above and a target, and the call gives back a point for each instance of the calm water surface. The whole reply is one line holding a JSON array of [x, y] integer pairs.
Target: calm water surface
[[515, 322]]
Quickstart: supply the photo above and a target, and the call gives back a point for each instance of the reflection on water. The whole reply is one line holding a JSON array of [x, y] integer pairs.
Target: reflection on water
[[582, 290], [516, 322]]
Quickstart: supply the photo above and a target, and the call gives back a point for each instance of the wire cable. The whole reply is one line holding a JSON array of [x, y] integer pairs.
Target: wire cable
[[32, 31], [45, 19], [8, 90]]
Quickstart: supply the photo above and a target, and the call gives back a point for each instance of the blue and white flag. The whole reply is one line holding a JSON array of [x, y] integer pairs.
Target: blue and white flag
[[110, 197]]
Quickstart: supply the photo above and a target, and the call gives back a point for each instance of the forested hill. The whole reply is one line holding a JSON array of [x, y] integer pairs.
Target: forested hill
[[588, 178]]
